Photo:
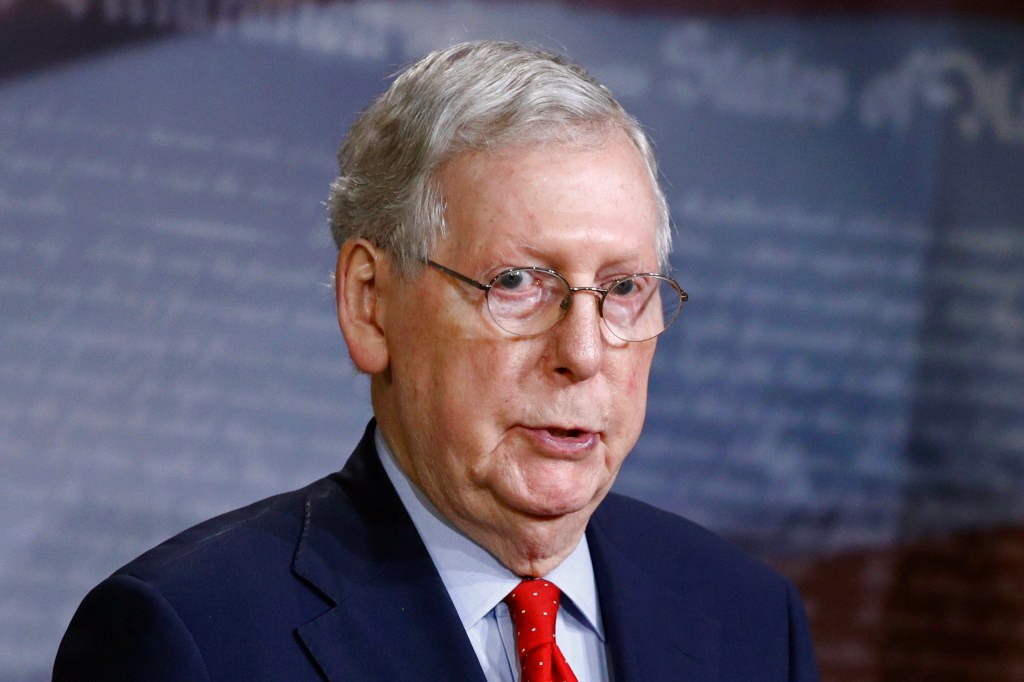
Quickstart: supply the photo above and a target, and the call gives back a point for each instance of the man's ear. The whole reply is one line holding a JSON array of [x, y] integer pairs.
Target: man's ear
[[356, 285]]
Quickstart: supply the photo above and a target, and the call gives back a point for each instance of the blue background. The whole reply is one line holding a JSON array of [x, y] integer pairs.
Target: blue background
[[847, 194]]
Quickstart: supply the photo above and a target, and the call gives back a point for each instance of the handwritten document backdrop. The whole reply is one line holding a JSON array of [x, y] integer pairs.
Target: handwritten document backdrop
[[846, 383]]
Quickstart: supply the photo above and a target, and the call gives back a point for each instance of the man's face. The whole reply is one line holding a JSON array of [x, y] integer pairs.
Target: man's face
[[502, 431]]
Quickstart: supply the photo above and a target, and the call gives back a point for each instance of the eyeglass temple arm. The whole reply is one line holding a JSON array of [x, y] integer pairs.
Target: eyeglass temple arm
[[458, 276]]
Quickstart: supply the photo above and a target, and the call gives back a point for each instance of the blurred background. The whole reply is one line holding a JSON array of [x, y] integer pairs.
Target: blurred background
[[843, 397]]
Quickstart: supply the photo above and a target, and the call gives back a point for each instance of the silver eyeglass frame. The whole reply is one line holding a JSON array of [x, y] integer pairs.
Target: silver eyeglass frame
[[567, 301]]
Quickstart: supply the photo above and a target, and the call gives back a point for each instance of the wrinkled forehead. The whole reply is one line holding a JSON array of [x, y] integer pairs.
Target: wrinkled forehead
[[558, 142], [547, 199]]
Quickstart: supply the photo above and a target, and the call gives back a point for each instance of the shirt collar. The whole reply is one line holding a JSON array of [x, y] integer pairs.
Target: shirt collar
[[475, 580]]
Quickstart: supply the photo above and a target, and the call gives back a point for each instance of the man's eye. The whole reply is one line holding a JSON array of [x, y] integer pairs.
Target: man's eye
[[624, 288], [512, 280]]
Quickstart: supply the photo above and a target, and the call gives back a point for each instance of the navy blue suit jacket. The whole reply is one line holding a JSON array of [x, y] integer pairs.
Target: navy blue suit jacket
[[332, 581]]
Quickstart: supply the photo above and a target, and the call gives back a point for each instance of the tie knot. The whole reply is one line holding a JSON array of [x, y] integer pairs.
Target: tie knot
[[533, 606]]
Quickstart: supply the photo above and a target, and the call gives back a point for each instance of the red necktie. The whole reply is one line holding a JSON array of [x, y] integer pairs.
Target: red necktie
[[533, 606]]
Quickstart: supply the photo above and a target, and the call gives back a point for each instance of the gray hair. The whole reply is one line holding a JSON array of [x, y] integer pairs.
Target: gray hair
[[470, 97]]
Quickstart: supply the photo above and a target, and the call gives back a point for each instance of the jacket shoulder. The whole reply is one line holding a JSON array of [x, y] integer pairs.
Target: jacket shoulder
[[268, 529], [677, 549], [176, 611], [684, 573]]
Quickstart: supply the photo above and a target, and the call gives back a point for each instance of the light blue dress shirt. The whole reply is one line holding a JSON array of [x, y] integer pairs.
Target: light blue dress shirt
[[477, 583]]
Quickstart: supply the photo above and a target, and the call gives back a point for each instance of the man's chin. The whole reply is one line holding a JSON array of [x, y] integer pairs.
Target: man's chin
[[553, 505]]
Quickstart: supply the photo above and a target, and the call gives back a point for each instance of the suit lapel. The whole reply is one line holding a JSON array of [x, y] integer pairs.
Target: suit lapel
[[651, 630], [391, 618]]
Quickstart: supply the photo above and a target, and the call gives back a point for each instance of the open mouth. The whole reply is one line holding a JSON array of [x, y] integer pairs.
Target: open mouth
[[565, 439], [565, 433]]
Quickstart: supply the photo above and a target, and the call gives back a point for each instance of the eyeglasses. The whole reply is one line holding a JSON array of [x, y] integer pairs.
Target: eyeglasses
[[530, 300]]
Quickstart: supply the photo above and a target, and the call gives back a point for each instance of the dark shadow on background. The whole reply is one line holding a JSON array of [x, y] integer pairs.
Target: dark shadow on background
[[40, 33], [954, 607], [43, 34]]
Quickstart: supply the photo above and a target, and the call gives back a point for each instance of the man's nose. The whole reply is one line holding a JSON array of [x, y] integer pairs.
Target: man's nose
[[578, 336]]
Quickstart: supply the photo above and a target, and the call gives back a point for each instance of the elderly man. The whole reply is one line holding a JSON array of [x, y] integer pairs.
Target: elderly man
[[501, 232]]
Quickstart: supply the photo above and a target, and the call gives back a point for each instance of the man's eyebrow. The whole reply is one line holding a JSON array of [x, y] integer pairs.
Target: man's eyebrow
[[528, 247], [518, 253], [529, 253]]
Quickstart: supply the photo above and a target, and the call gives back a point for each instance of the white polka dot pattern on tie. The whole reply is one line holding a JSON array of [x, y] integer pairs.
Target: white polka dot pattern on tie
[[540, 659]]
